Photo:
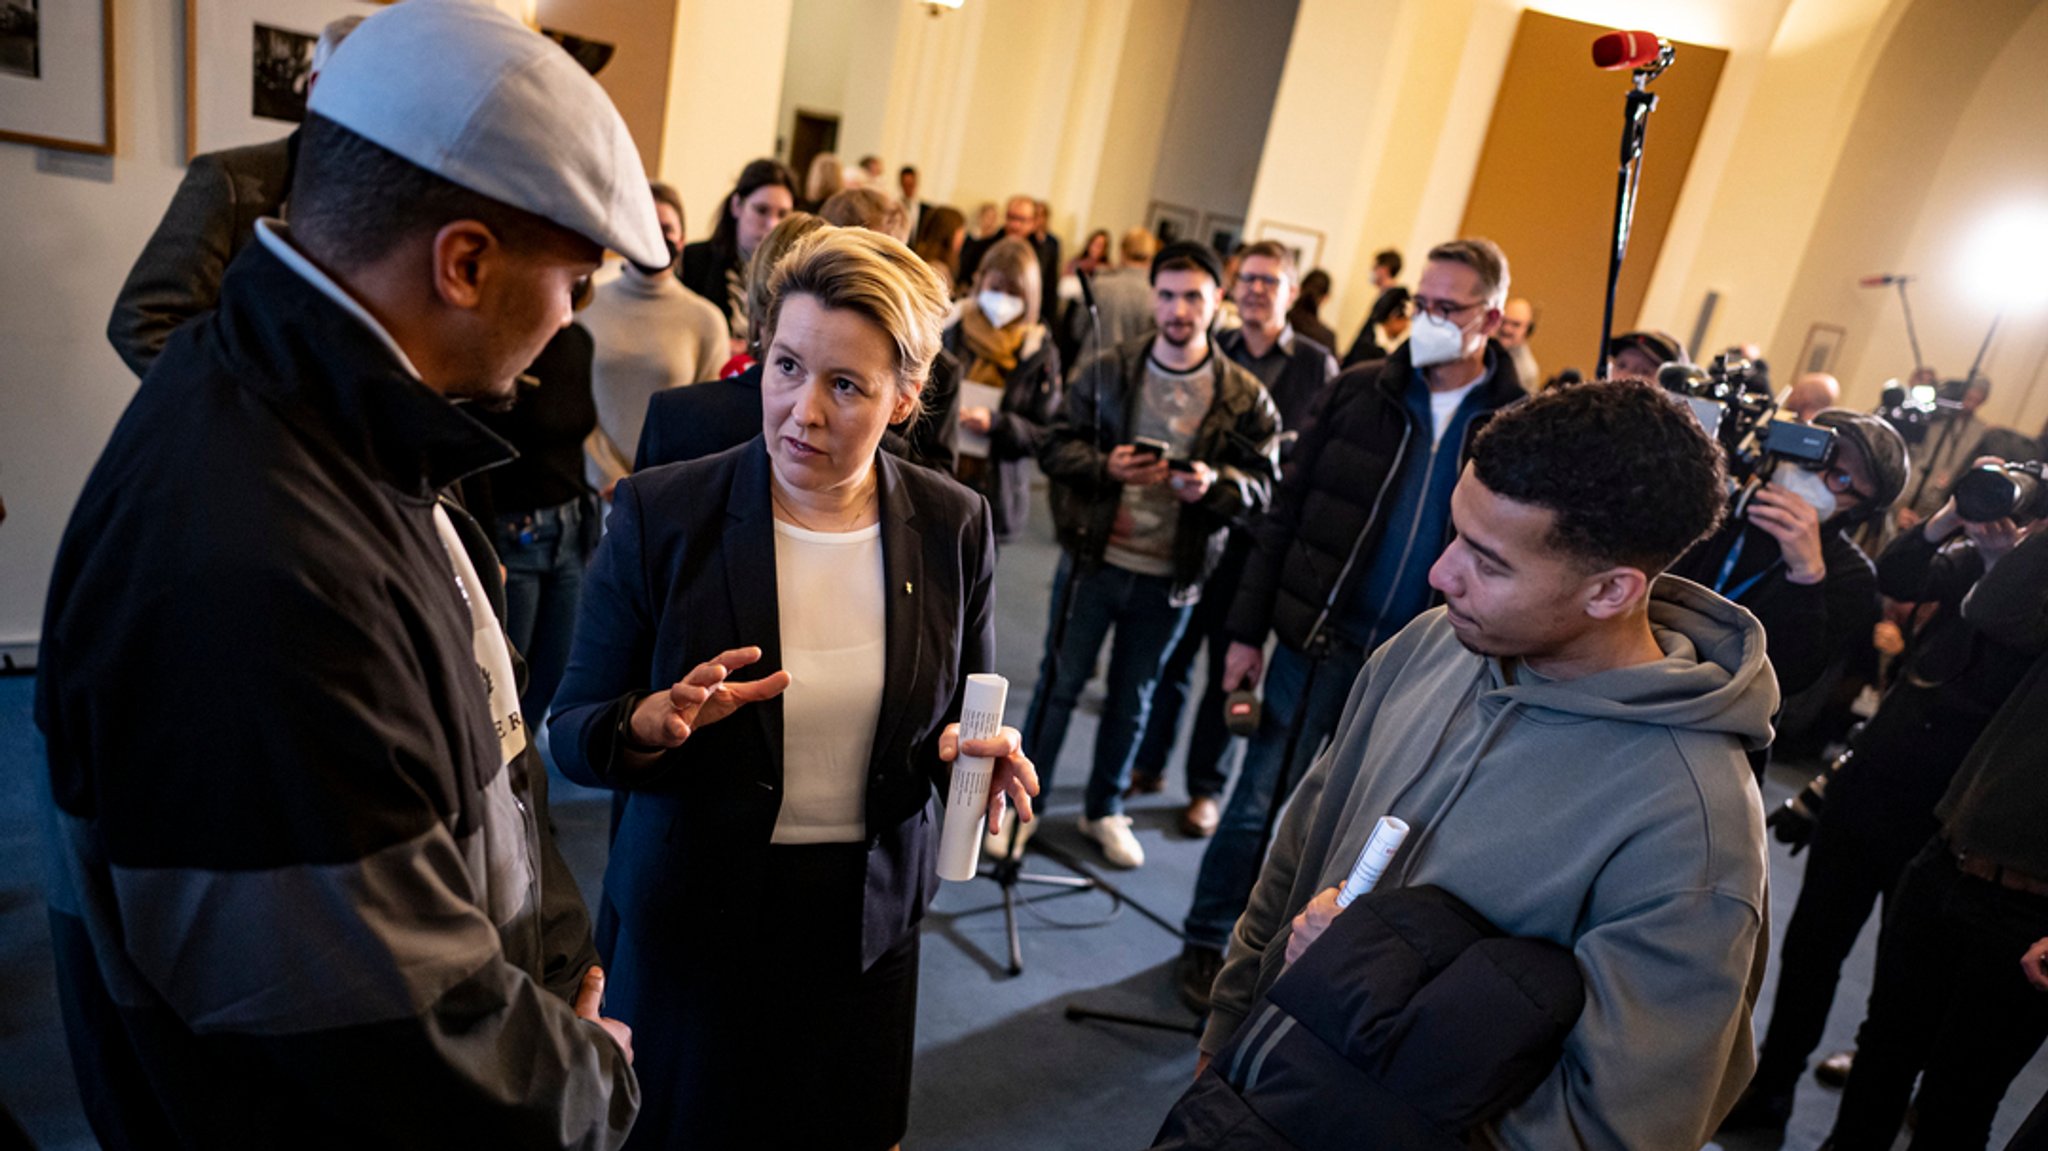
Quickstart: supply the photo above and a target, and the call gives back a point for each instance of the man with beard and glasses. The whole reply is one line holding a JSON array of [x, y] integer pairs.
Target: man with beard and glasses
[[1160, 445]]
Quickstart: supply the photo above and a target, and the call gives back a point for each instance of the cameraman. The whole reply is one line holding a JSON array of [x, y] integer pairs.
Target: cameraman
[[1951, 1000], [1787, 556], [1880, 800]]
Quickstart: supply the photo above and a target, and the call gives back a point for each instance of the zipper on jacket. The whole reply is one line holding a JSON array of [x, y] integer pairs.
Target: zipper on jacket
[[1372, 518], [1407, 549]]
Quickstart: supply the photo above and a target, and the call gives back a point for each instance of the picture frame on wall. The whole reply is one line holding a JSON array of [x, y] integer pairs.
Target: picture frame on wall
[[246, 66], [1823, 342], [1223, 233], [1171, 222], [57, 74], [1305, 243]]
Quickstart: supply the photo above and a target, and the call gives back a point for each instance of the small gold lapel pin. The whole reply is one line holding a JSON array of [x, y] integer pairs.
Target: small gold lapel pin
[[906, 587]]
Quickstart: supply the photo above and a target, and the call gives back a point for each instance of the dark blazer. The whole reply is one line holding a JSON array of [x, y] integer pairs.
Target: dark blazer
[[211, 218], [687, 570], [699, 420]]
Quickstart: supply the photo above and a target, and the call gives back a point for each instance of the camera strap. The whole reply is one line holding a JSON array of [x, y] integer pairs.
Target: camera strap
[[1728, 570]]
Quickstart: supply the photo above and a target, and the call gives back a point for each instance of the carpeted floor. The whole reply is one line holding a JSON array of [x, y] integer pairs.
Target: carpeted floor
[[999, 1065]]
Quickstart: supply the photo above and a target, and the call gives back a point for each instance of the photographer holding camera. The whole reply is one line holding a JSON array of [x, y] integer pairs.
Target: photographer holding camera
[[1960, 997], [1785, 553], [1879, 799]]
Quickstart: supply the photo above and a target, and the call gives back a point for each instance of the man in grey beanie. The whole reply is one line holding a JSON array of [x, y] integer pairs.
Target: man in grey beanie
[[303, 890]]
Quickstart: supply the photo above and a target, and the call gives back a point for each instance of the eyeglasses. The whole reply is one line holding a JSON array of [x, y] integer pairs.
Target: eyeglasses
[[1270, 283], [1441, 309], [1843, 484]]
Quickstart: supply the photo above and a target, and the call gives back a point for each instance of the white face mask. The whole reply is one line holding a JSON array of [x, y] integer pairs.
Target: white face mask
[[1433, 340], [1001, 308], [1808, 486]]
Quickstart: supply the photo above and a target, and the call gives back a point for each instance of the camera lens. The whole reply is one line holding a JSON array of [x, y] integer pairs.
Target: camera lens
[[1993, 493]]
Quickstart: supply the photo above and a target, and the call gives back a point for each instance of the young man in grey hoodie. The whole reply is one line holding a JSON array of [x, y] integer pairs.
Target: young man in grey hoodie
[[1566, 738]]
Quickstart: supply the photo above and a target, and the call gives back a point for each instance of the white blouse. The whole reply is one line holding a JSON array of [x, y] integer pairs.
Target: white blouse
[[833, 610]]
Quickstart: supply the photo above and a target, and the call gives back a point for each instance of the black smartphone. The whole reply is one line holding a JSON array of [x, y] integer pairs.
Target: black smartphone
[[1149, 448], [1180, 465]]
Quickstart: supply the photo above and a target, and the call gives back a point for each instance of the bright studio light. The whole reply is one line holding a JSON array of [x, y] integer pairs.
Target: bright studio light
[[2006, 262]]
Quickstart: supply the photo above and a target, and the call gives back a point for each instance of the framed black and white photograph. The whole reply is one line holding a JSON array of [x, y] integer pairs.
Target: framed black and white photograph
[[282, 61], [1305, 243], [247, 66], [20, 40], [1823, 341], [1223, 233], [1172, 222], [57, 74]]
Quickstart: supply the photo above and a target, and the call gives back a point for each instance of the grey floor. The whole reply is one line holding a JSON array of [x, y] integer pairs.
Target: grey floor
[[999, 1066]]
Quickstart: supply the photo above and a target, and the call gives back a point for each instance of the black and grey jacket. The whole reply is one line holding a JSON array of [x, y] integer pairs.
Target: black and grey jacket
[[1239, 438], [298, 897]]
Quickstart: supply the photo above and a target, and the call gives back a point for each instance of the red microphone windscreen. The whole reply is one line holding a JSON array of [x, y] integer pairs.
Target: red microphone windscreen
[[1875, 281], [1617, 50]]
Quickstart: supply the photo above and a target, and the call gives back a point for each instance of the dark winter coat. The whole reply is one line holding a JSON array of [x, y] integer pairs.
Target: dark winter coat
[[1326, 516], [1410, 1022]]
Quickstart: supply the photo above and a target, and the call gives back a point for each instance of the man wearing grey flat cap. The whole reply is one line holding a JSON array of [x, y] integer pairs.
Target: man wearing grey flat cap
[[303, 889]]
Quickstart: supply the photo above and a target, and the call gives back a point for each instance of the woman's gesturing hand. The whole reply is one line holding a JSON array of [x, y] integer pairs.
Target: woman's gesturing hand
[[666, 718]]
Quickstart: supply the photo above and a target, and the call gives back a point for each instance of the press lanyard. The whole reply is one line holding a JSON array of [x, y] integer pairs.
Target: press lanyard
[[1728, 569]]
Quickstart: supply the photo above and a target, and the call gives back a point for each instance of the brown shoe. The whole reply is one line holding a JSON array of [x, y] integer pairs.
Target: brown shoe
[[1200, 819], [1145, 785]]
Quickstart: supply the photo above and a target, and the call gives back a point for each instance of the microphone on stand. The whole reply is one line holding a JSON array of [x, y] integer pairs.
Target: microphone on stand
[[1884, 281], [1619, 51]]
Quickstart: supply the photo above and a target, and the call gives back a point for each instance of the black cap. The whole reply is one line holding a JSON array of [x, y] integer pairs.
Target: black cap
[[1659, 346], [1199, 254], [1883, 450]]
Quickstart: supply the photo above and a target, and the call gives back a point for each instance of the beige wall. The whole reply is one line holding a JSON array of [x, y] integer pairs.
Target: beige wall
[[725, 69], [71, 229], [1223, 94], [637, 76]]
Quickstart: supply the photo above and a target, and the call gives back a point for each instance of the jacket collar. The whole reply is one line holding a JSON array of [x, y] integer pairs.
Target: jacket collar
[[300, 343]]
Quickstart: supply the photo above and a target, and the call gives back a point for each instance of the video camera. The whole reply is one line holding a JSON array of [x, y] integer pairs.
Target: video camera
[[2002, 491], [1732, 399], [1913, 411]]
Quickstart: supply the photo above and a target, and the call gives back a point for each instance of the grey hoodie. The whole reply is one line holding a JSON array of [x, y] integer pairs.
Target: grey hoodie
[[1614, 814]]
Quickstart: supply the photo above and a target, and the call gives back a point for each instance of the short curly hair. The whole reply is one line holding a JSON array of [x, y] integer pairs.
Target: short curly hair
[[1632, 477]]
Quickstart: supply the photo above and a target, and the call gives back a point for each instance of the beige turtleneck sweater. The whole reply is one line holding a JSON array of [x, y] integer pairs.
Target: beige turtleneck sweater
[[651, 333]]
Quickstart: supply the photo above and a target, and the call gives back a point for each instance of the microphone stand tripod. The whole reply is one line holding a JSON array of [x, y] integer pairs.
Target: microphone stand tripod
[[1008, 870], [1318, 652], [1635, 123]]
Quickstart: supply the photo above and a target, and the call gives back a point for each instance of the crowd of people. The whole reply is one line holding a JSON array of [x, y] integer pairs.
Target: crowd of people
[[426, 486]]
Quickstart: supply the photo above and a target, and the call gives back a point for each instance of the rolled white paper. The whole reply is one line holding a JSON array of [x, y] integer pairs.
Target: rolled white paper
[[981, 716], [1372, 861]]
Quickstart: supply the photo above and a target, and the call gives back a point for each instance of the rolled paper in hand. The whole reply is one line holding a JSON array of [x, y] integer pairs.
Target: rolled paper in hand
[[1372, 862], [981, 717]]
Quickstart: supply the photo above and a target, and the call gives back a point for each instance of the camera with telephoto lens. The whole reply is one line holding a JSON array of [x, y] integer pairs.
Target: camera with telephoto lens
[[1732, 399], [1795, 819], [1912, 412], [2002, 491]]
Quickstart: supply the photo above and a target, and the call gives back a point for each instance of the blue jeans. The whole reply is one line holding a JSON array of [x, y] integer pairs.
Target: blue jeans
[[1147, 625], [543, 556], [1230, 865]]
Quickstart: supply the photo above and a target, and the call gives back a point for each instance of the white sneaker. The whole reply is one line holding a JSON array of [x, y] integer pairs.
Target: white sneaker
[[1112, 833], [997, 846]]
